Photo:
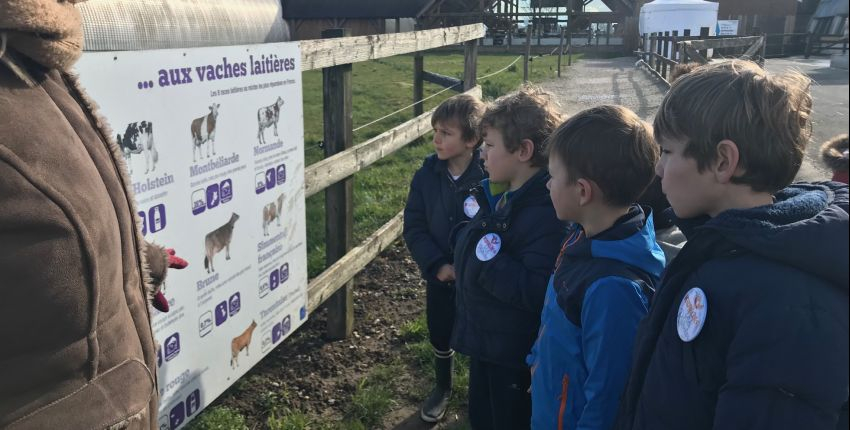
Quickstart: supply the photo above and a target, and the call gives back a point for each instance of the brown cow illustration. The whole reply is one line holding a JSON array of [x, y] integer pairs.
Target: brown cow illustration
[[241, 342], [203, 131]]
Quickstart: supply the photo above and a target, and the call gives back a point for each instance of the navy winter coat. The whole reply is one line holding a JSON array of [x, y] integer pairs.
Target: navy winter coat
[[773, 350], [435, 205], [499, 300]]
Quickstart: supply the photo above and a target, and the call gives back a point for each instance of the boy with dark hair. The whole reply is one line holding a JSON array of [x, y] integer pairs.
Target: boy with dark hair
[[749, 328], [439, 199], [503, 257], [601, 160]]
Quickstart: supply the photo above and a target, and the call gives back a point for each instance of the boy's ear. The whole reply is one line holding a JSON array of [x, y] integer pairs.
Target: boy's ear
[[584, 188], [726, 162], [526, 150]]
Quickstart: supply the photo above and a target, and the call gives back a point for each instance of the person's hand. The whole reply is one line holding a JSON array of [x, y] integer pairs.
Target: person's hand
[[446, 273], [175, 262]]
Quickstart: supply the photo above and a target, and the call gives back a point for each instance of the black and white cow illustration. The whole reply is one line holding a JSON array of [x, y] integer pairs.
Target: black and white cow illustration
[[268, 116], [203, 131], [138, 139]]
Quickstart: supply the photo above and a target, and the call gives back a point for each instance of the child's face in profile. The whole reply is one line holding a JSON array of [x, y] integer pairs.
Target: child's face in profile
[[691, 193], [498, 161], [561, 191], [448, 141]]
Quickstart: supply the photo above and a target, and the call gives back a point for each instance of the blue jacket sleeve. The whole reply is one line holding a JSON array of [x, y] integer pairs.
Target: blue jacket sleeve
[[521, 281], [424, 250], [610, 314]]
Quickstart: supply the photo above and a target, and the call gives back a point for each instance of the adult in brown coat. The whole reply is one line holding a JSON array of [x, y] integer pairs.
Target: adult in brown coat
[[76, 346]]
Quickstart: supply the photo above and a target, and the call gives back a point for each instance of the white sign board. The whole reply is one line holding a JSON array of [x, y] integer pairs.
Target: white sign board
[[728, 27], [214, 140]]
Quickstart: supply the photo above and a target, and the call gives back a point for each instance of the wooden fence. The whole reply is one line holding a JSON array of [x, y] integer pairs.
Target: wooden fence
[[661, 52], [334, 55]]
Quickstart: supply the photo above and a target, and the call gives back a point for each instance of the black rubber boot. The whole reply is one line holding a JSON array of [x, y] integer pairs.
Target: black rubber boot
[[437, 402]]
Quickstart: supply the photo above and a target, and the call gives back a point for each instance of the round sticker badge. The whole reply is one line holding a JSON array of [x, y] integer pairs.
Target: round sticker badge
[[488, 246], [470, 206], [692, 313]]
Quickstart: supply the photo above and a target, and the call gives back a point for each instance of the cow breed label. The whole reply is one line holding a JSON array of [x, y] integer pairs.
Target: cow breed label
[[213, 139]]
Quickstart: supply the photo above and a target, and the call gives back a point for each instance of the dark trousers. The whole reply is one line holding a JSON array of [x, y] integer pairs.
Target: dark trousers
[[498, 397], [440, 314]]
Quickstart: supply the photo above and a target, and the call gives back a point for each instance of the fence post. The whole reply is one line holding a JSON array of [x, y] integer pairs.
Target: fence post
[[569, 47], [673, 46], [418, 68], [653, 42], [808, 52], [470, 64], [703, 34], [763, 50], [527, 54], [560, 52], [665, 52], [339, 198]]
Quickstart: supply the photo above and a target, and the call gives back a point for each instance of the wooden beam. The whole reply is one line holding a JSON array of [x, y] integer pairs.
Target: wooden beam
[[730, 42], [333, 169], [321, 53], [693, 54], [339, 198], [443, 81], [756, 47], [340, 273]]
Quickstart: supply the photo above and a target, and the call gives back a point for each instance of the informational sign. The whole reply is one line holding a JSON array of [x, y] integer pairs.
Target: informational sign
[[214, 139], [727, 27]]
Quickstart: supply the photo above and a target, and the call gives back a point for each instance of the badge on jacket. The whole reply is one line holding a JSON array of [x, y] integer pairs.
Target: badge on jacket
[[692, 313], [488, 246], [470, 206]]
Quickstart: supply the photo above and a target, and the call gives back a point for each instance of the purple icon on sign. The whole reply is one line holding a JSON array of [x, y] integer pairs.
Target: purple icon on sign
[[286, 324], [199, 201], [156, 218], [193, 402], [226, 190], [260, 183], [302, 313], [276, 333], [284, 272], [213, 197], [144, 222], [274, 280], [235, 304], [271, 176], [172, 346], [281, 174], [177, 415], [220, 313], [159, 357]]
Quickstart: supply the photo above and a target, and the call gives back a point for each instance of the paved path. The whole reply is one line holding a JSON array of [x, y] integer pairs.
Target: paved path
[[594, 82]]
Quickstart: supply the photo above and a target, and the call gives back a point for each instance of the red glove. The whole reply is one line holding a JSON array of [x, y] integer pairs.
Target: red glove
[[174, 262]]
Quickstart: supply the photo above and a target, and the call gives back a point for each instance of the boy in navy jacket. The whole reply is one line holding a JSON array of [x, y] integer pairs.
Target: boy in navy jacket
[[601, 160], [439, 199], [503, 257], [749, 328]]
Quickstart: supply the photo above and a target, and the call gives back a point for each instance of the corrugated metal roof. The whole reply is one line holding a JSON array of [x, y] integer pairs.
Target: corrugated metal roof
[[128, 25], [828, 8], [318, 9]]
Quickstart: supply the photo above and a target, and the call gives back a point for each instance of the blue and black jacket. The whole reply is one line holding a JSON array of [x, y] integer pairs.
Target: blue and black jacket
[[773, 350], [595, 299], [435, 205], [500, 295]]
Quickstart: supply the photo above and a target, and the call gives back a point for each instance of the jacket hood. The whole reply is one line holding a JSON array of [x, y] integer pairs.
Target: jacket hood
[[48, 32], [806, 228], [630, 240]]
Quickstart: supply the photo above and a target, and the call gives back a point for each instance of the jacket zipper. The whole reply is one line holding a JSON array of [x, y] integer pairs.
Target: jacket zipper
[[565, 383]]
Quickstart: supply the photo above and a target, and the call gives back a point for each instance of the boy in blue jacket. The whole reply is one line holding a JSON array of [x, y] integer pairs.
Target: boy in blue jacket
[[503, 257], [601, 160], [749, 328], [439, 199]]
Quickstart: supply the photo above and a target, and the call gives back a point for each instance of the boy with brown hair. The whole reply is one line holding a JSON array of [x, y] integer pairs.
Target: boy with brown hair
[[439, 199], [503, 257], [601, 160], [749, 328]]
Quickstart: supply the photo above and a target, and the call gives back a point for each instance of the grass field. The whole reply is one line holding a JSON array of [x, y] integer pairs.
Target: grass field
[[380, 87]]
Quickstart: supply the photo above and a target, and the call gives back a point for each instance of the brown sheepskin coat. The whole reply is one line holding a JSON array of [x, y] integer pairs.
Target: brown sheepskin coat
[[76, 346]]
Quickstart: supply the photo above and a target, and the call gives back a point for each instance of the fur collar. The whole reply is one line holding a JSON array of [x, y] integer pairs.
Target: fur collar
[[48, 32]]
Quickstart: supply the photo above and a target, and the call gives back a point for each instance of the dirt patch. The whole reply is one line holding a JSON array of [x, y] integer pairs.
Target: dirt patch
[[310, 374]]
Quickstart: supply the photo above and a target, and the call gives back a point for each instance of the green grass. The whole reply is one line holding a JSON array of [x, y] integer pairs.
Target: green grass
[[218, 418], [379, 88]]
